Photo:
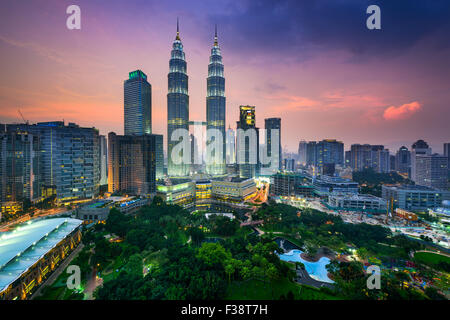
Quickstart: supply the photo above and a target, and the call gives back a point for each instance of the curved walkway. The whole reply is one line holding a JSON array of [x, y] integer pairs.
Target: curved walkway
[[438, 253]]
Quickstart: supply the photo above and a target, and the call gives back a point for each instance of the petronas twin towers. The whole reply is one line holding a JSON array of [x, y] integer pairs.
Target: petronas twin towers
[[178, 109]]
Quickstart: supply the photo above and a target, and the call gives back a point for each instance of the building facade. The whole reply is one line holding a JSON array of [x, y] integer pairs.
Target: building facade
[[132, 164], [103, 158], [322, 154], [177, 107], [273, 138], [431, 171], [69, 158], [447, 154], [368, 156], [178, 192], [20, 167], [233, 190], [137, 104], [247, 143], [357, 202], [414, 197], [403, 161], [419, 147], [215, 111], [302, 147], [325, 185]]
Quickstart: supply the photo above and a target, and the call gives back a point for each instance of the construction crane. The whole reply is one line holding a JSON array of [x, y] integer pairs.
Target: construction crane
[[389, 207], [23, 118]]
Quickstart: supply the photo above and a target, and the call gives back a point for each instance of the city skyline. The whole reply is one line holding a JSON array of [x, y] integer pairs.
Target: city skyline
[[77, 75], [251, 150]]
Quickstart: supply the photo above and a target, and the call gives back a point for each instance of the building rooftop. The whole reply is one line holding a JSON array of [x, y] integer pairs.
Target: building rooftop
[[329, 179], [358, 197], [232, 179], [409, 187], [22, 247], [173, 181]]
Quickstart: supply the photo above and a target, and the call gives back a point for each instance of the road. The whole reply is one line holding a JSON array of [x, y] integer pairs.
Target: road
[[261, 194], [38, 214], [91, 285]]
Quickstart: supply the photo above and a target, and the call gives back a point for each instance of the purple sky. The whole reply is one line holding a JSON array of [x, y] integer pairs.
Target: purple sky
[[312, 63]]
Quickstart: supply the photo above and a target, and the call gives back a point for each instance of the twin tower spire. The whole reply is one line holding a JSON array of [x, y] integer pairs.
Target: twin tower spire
[[178, 108], [178, 33]]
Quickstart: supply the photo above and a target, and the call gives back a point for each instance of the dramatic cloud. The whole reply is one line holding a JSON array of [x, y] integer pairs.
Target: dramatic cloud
[[292, 28], [401, 112], [312, 63]]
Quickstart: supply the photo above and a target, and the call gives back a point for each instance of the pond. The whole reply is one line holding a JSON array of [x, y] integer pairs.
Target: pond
[[316, 270]]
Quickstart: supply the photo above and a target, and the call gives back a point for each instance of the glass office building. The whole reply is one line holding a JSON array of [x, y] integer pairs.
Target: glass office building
[[273, 124], [137, 104], [132, 163]]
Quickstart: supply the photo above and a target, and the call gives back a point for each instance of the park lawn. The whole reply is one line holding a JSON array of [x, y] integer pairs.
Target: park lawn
[[258, 290], [431, 258], [52, 293], [110, 275], [57, 291], [310, 293]]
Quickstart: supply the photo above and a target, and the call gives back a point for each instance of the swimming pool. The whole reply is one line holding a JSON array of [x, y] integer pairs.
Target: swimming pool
[[316, 270]]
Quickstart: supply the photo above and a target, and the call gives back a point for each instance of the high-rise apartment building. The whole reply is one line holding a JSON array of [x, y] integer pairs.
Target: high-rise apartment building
[[302, 147], [392, 163], [69, 158], [103, 159], [403, 160], [322, 154], [177, 107], [215, 110], [431, 171], [419, 147], [289, 165], [20, 166], [447, 154], [369, 156], [137, 104]]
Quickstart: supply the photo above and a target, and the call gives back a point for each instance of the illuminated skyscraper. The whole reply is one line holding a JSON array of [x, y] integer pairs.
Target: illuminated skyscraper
[[177, 106], [273, 124], [215, 107], [137, 104], [247, 143]]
